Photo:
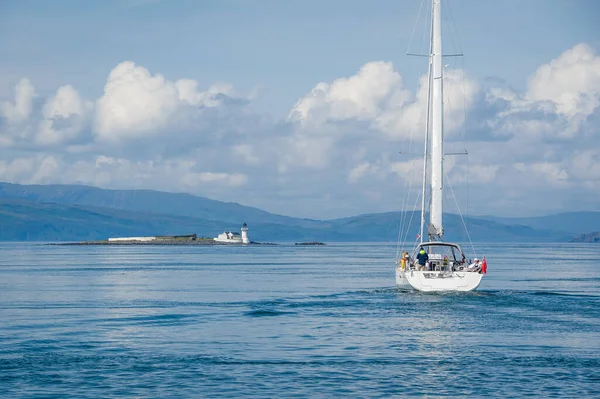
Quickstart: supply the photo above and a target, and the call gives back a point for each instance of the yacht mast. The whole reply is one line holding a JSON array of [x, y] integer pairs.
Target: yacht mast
[[427, 137], [436, 229]]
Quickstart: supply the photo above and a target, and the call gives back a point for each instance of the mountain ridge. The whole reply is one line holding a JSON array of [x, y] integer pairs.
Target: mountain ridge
[[152, 212], [181, 204]]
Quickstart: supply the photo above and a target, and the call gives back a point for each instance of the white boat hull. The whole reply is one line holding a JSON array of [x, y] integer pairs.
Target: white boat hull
[[401, 280], [433, 281], [226, 241]]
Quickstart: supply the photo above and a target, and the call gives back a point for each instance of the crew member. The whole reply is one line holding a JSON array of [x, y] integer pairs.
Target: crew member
[[422, 257]]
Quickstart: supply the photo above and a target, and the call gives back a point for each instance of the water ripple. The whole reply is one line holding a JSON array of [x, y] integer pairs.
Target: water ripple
[[287, 322]]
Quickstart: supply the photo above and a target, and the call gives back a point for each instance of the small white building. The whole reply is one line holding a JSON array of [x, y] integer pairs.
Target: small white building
[[230, 237], [142, 239]]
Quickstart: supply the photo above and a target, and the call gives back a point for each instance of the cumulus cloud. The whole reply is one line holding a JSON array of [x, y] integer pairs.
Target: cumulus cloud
[[335, 153], [31, 121], [19, 110], [409, 120], [134, 102], [550, 131], [247, 153], [363, 96], [560, 97], [376, 94], [177, 175], [65, 116], [137, 104], [571, 82], [361, 170]]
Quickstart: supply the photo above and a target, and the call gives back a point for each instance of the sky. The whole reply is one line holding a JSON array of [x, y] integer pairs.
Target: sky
[[302, 107]]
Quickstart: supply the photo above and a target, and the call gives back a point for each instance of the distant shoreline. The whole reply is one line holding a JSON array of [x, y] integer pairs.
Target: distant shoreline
[[205, 241], [61, 213], [156, 243]]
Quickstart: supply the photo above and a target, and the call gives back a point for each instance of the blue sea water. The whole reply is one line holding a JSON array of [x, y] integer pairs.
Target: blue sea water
[[288, 321]]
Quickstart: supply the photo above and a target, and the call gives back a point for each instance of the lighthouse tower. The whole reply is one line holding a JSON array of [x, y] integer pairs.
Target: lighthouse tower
[[245, 239]]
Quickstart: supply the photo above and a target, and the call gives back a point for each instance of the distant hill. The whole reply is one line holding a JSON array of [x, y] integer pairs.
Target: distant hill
[[386, 225], [31, 221], [75, 212], [589, 237], [570, 222], [148, 201]]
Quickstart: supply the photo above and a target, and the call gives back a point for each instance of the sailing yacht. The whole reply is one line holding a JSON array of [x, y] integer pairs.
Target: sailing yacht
[[436, 265]]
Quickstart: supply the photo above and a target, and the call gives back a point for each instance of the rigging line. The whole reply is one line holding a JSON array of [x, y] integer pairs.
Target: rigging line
[[453, 24], [413, 170], [400, 221], [461, 216], [454, 30], [467, 189], [405, 200], [406, 183], [408, 221], [412, 215], [415, 247], [399, 234], [404, 226], [450, 24], [414, 27], [452, 35], [402, 216], [425, 29], [430, 194], [409, 183]]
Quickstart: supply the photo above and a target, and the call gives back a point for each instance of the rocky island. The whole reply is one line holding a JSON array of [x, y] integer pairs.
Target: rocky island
[[191, 239], [589, 237], [226, 238]]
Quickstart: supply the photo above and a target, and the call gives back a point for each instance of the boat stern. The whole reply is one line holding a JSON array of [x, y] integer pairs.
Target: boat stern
[[434, 281]]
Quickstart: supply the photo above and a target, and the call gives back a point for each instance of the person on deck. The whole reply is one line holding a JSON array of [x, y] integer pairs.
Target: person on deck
[[475, 266], [422, 258]]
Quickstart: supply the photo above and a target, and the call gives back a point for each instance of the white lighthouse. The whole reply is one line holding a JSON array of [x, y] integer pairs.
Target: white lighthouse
[[245, 239]]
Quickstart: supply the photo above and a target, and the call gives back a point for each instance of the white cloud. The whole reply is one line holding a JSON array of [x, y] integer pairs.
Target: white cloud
[[105, 171], [247, 153], [137, 104], [553, 173], [410, 171], [46, 171], [195, 179], [64, 104], [19, 111], [408, 119], [134, 103], [64, 117], [362, 97], [561, 95], [476, 174], [361, 170], [338, 144], [571, 82], [28, 123], [17, 170], [584, 166], [300, 152]]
